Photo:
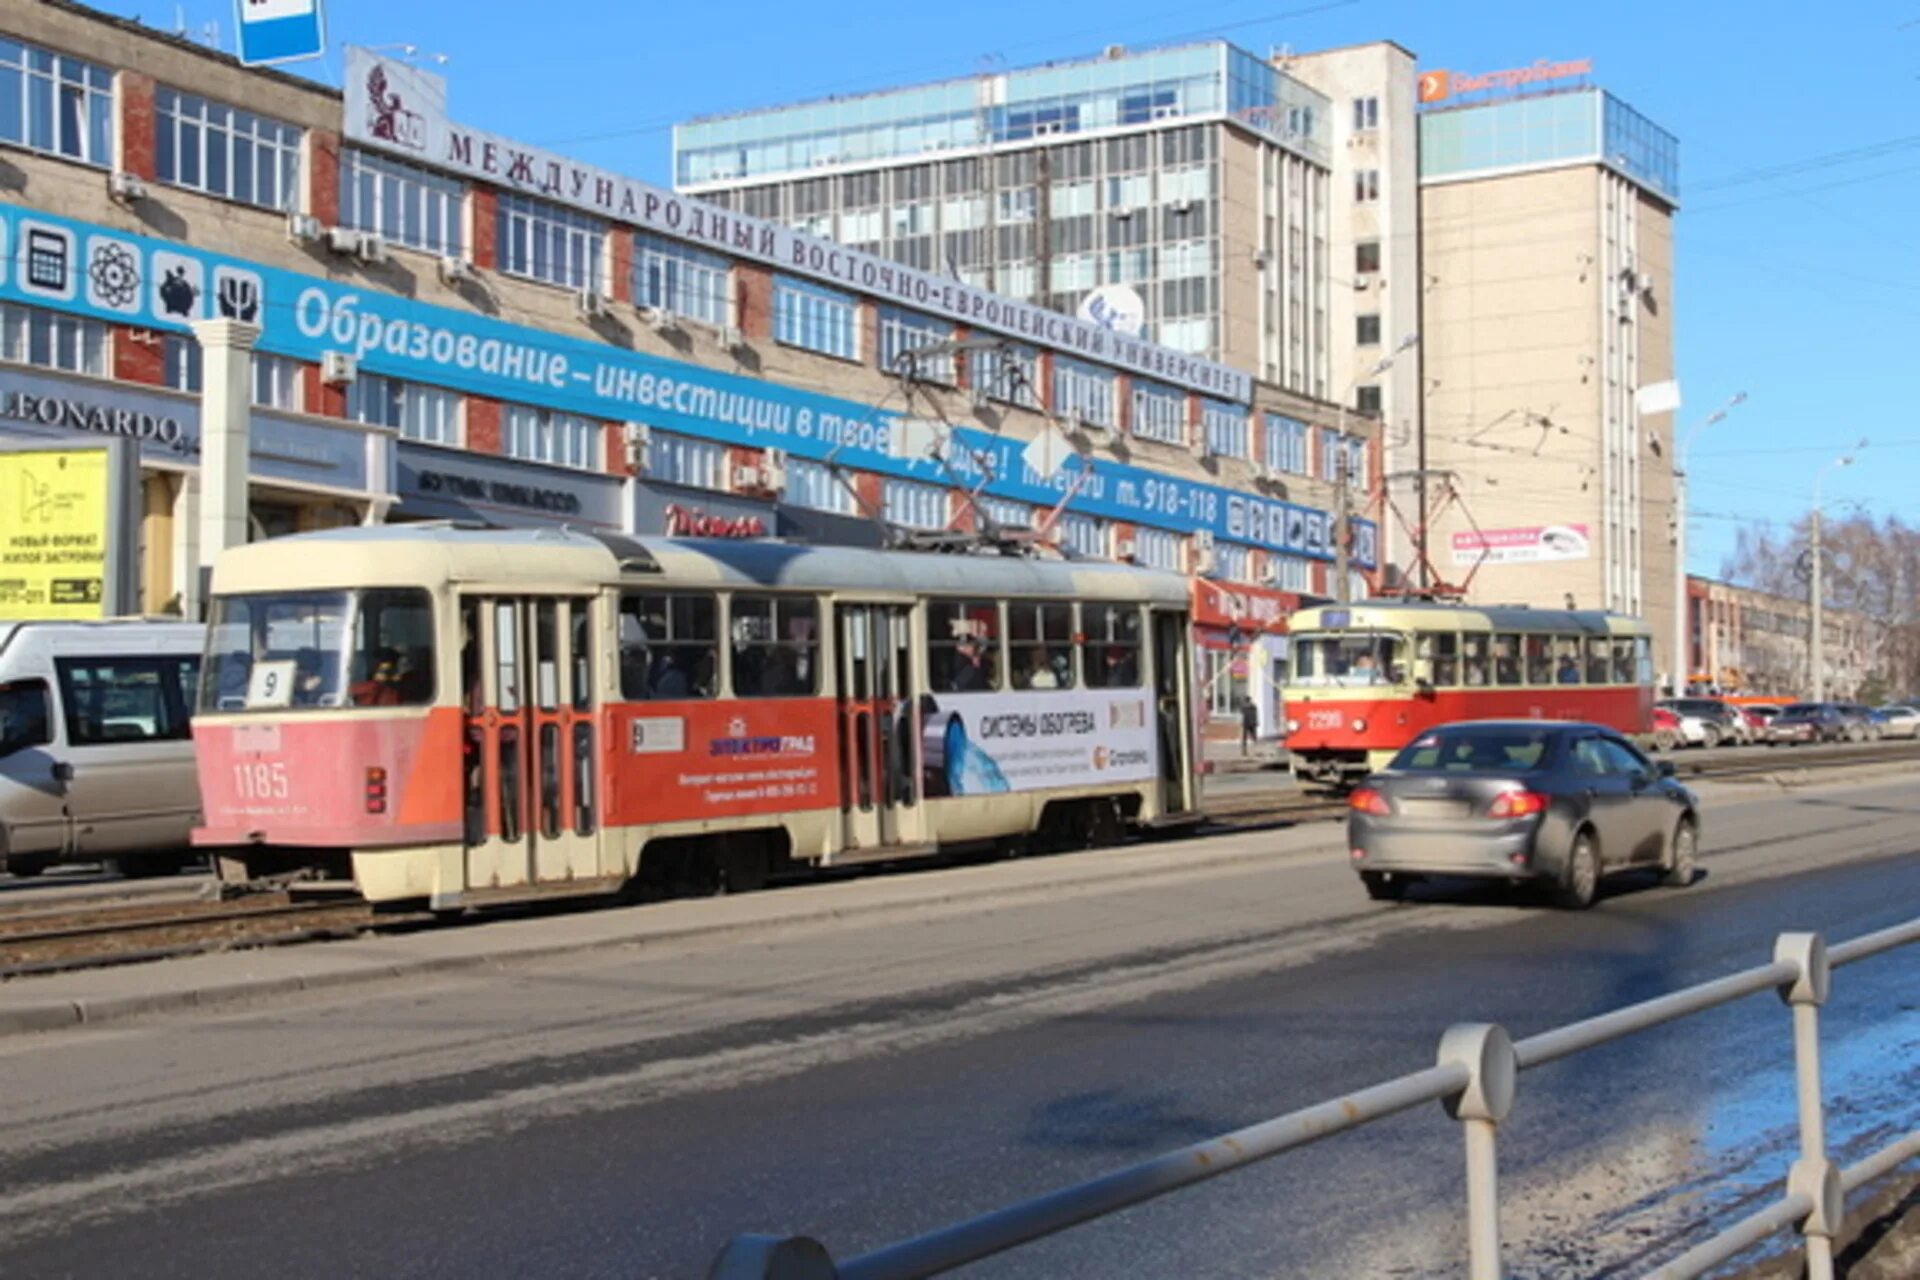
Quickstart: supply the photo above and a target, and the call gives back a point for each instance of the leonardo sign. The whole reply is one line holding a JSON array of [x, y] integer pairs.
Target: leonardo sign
[[402, 109]]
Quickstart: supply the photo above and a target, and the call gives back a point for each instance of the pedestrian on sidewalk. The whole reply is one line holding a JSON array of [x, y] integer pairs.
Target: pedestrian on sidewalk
[[1249, 723]]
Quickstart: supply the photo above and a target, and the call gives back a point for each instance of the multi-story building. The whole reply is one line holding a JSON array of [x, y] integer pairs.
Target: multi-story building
[[1199, 176], [1546, 223], [433, 322], [1754, 643]]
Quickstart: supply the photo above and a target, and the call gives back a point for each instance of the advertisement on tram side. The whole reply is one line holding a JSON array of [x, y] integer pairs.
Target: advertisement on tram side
[[715, 759], [988, 743]]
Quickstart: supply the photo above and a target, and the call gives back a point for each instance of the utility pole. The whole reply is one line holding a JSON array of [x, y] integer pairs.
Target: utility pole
[[1682, 622], [1817, 602], [1342, 525]]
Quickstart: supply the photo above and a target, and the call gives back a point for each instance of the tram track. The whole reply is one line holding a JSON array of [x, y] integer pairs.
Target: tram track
[[46, 938]]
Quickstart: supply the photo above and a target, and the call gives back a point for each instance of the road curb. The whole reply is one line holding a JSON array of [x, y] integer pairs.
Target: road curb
[[66, 1013]]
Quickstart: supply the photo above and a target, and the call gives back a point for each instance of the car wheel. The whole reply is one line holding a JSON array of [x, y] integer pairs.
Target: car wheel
[[1856, 734], [1384, 887], [1710, 737], [1678, 866], [1663, 739], [1580, 878]]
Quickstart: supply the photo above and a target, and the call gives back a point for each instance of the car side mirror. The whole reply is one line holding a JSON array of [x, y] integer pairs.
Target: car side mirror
[[1665, 769]]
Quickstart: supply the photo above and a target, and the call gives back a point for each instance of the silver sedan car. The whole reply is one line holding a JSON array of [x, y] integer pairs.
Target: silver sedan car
[[1529, 801]]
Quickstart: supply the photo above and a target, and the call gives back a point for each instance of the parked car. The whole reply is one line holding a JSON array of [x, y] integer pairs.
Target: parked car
[[1556, 803], [1807, 722], [95, 759], [1722, 722], [1672, 730], [1760, 715], [1899, 722], [1861, 726]]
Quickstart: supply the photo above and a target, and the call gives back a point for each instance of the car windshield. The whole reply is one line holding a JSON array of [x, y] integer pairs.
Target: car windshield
[[1349, 657], [1476, 749], [318, 649]]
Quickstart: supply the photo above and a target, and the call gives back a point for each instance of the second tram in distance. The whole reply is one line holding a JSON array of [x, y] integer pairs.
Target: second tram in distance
[[1366, 679]]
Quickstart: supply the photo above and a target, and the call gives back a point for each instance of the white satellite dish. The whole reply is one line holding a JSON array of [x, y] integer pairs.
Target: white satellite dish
[[1116, 307]]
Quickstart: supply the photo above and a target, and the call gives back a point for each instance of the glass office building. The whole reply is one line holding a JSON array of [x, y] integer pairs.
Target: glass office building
[[1165, 170], [1579, 125]]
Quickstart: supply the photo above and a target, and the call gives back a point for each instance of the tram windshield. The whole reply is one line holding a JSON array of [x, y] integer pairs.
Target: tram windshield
[[1349, 658], [283, 650]]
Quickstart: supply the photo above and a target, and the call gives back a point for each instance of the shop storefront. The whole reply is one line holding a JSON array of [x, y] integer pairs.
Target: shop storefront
[[305, 473], [1240, 644]]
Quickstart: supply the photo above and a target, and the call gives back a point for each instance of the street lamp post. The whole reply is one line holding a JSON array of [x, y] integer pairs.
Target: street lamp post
[[1342, 587], [1682, 633], [1817, 603]]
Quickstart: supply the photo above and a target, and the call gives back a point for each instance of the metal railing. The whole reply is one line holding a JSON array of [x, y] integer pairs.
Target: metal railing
[[1474, 1079]]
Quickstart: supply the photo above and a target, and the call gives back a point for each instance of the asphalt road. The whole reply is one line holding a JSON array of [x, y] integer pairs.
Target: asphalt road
[[623, 1114]]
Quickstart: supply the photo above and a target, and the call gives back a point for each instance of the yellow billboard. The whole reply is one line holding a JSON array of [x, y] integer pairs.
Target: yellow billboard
[[54, 533]]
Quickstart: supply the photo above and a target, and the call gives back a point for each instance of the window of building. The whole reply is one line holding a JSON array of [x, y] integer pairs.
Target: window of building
[[1342, 456], [814, 486], [180, 362], [1159, 412], [226, 152], [1040, 645], [681, 279], [56, 104], [31, 335], [1006, 373], [1366, 257], [1226, 428], [402, 203], [1005, 513], [1084, 535], [1157, 549], [1366, 330], [776, 646], [668, 644], [430, 415], [815, 319], [903, 331], [1290, 573], [1286, 445], [1367, 400], [676, 459], [1366, 114], [1111, 649], [276, 382], [963, 645], [546, 435], [1083, 390], [544, 241], [912, 505], [1366, 185]]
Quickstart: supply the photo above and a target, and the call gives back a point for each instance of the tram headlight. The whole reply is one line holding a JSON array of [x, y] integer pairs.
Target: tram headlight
[[1359, 725], [1293, 726]]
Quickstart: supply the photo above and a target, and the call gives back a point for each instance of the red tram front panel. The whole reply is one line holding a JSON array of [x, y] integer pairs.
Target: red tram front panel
[[1354, 722]]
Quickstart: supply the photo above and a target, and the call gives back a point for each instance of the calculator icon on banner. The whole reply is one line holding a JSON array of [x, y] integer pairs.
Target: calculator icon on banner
[[46, 255]]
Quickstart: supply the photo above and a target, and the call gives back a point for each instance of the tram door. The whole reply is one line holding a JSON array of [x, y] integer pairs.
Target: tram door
[[1173, 706], [879, 723], [531, 787]]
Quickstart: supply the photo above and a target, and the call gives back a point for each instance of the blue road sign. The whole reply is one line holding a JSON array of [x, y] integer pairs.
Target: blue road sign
[[279, 30]]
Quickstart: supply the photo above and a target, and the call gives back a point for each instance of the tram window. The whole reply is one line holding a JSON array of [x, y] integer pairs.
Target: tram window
[[667, 646], [582, 656], [1566, 660], [546, 661], [276, 650], [506, 657], [1623, 660], [1474, 650], [1112, 645], [963, 645], [1506, 659], [393, 651], [1040, 643], [1348, 657], [583, 815], [1597, 660], [1643, 660], [776, 646], [1442, 650], [1539, 651]]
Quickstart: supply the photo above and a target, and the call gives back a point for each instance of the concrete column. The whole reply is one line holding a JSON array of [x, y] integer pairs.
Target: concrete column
[[226, 408], [186, 546]]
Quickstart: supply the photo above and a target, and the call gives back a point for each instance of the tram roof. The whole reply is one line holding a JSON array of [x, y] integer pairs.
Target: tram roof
[[1417, 615], [556, 558]]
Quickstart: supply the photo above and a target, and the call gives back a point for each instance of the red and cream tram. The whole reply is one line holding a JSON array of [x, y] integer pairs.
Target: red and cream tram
[[1365, 679], [454, 714]]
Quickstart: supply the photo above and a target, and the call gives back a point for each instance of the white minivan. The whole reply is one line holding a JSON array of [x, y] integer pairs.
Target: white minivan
[[96, 761]]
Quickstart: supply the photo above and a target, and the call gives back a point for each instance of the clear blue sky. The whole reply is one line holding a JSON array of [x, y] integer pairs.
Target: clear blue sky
[[1798, 281]]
